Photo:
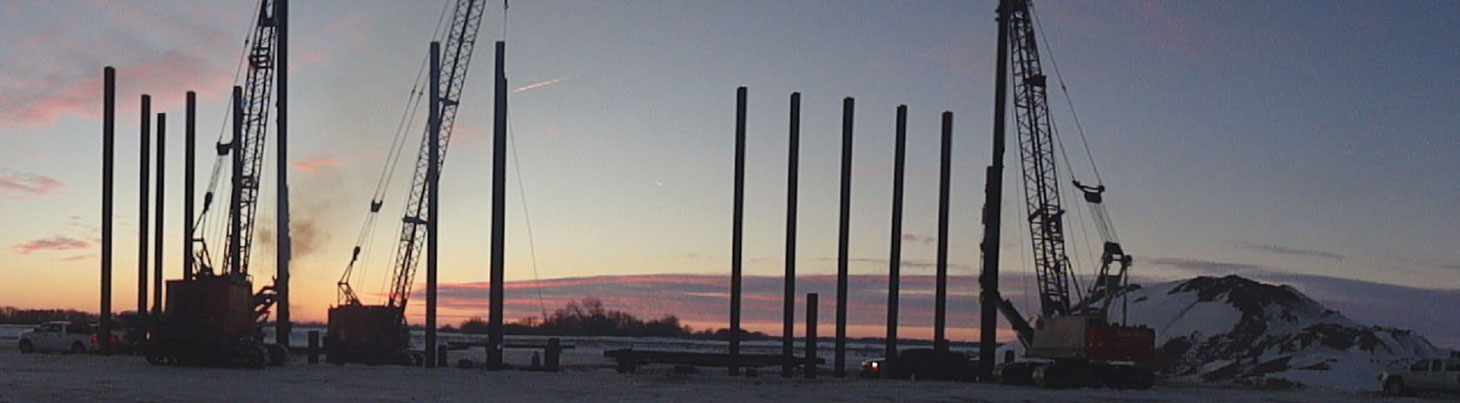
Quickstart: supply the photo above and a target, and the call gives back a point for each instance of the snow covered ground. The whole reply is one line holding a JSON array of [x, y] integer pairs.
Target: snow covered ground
[[44, 378]]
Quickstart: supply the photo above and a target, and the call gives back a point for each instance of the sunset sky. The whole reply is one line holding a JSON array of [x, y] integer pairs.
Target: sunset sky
[[1308, 143]]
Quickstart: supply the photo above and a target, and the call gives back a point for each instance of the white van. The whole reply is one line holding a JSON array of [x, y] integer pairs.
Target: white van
[[1430, 374], [57, 336]]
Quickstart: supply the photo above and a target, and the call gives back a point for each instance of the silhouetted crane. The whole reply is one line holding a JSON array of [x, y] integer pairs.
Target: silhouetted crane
[[377, 333], [1075, 343]]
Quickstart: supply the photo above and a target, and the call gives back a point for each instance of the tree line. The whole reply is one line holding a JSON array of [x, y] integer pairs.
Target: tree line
[[589, 317], [10, 315]]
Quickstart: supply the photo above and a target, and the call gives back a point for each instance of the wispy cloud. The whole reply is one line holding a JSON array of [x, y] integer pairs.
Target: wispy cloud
[[56, 71], [1208, 266], [700, 256], [909, 263], [314, 164], [539, 84], [1284, 250], [925, 240], [83, 256], [55, 243], [29, 184]]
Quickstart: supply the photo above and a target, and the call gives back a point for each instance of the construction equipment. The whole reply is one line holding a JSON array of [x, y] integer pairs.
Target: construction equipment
[[1072, 342], [214, 317], [377, 334]]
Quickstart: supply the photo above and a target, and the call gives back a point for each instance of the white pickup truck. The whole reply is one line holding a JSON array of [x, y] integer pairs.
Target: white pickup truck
[[1430, 374], [58, 336]]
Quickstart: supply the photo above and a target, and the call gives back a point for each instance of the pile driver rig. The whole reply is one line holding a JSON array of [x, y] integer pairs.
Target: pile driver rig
[[377, 334], [1073, 341], [215, 317]]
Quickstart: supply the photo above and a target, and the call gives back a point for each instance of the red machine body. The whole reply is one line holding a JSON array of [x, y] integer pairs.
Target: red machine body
[[214, 304], [371, 334], [1120, 343]]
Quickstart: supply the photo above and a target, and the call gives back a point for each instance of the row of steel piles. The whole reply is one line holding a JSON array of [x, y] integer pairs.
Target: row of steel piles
[[894, 269], [499, 208], [108, 185], [281, 283]]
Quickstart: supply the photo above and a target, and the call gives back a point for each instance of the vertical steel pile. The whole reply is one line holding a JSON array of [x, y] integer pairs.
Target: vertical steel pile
[[993, 189], [433, 189], [736, 234], [143, 208], [235, 197], [845, 219], [788, 309], [157, 226], [108, 156], [499, 206], [235, 194], [285, 250], [940, 297], [894, 261], [189, 152], [812, 302]]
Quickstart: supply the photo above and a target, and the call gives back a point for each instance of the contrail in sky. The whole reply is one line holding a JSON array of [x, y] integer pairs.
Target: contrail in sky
[[539, 84]]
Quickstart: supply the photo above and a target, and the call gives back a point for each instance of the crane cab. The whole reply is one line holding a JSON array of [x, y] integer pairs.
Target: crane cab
[[1090, 337], [369, 334]]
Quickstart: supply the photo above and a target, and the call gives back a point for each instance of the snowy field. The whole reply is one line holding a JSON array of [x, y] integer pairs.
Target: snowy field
[[589, 350], [46, 377], [587, 376]]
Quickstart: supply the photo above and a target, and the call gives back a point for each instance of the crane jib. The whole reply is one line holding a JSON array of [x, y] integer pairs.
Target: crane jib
[[456, 57], [1037, 152], [1037, 148], [257, 92]]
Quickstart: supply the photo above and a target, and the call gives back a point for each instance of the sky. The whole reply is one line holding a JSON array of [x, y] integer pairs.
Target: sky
[[1298, 142]]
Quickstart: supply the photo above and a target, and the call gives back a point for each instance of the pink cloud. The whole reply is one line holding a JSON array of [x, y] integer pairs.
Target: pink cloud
[[55, 243], [313, 56], [314, 164], [470, 135], [28, 183], [78, 257], [925, 240], [56, 72], [1166, 29], [348, 23]]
